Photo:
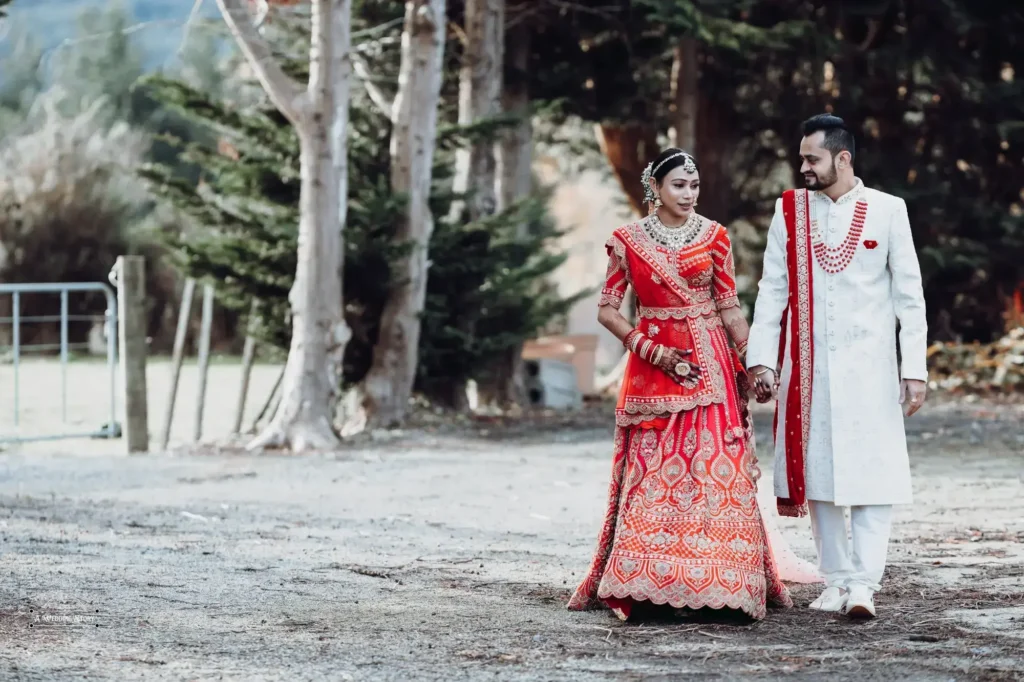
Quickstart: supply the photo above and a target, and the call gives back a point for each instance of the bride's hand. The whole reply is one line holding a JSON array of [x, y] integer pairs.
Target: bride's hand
[[670, 361], [764, 383]]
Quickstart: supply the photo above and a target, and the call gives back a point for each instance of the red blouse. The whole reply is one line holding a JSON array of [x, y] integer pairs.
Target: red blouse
[[679, 294]]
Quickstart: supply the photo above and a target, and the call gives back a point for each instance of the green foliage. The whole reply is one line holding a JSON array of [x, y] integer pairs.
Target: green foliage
[[485, 290], [933, 90], [488, 292], [68, 197]]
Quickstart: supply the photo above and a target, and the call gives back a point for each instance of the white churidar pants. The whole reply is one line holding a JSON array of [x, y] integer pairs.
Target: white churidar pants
[[840, 564]]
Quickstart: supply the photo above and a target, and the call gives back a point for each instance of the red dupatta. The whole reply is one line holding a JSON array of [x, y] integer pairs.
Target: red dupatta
[[798, 318]]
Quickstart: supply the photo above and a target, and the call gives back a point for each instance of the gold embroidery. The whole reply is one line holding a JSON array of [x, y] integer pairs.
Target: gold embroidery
[[666, 265], [703, 278], [708, 334], [729, 302], [803, 269], [612, 298], [679, 313]]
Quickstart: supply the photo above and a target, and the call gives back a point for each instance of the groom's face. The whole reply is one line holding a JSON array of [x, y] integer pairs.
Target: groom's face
[[818, 165]]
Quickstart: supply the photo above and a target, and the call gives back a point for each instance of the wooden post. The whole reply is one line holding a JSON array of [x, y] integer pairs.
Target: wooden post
[[131, 319], [248, 356], [184, 313], [270, 406], [204, 357]]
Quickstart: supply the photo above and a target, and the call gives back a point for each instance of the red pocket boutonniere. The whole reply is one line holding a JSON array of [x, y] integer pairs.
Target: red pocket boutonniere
[[870, 244]]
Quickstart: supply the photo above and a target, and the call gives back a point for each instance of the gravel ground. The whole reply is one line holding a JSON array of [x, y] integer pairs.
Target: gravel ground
[[448, 552]]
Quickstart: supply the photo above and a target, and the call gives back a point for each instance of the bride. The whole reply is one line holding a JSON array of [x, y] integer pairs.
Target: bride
[[683, 525]]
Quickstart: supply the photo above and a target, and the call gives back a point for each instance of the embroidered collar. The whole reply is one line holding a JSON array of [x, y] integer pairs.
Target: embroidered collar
[[853, 195]]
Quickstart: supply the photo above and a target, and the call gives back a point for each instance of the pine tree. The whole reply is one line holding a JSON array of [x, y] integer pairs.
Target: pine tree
[[935, 94], [484, 276]]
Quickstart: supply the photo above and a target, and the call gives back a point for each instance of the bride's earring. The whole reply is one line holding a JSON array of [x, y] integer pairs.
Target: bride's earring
[[657, 203]]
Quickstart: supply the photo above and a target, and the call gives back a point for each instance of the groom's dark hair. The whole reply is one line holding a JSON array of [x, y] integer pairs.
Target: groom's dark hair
[[838, 137]]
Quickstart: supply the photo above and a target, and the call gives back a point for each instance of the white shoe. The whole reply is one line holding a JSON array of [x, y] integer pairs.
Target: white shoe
[[832, 599], [861, 602]]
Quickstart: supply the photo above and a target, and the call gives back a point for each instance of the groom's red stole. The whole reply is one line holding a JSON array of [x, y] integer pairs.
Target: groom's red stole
[[799, 317]]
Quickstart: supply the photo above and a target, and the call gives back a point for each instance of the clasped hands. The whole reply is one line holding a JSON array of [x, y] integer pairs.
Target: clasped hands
[[766, 383]]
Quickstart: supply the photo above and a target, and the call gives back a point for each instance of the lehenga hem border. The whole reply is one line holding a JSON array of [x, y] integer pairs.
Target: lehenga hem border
[[740, 603]]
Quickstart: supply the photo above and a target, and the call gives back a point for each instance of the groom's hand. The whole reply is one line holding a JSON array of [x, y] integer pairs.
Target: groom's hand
[[912, 395], [764, 383]]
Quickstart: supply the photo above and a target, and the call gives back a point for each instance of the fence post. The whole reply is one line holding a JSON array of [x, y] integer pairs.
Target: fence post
[[248, 356], [177, 356], [205, 329], [131, 303]]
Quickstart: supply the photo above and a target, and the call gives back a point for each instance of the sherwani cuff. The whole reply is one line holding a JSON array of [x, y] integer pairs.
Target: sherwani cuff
[[914, 371], [762, 351]]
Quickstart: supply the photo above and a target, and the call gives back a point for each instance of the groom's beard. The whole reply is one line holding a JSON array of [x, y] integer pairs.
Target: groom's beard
[[817, 182]]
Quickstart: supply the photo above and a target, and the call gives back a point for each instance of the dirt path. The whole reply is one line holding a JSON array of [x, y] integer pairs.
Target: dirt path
[[448, 553]]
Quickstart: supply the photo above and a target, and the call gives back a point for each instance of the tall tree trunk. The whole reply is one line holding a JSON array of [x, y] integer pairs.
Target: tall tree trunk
[[389, 383], [480, 86], [629, 148], [515, 182], [715, 146], [312, 376], [685, 78], [701, 126], [515, 153]]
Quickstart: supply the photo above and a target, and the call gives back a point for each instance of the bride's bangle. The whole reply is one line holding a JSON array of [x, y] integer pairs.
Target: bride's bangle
[[659, 351], [645, 349]]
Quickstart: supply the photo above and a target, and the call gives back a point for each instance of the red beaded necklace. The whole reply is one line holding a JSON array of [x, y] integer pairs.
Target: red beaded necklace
[[834, 259]]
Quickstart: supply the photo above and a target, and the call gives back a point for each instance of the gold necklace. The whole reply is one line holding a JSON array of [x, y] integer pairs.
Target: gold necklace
[[673, 237]]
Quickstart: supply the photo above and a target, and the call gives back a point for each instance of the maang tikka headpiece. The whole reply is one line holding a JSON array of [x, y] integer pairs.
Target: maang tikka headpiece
[[689, 165]]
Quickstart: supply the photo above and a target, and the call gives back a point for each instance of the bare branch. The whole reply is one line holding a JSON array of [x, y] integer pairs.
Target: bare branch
[[48, 56], [134, 28], [381, 28], [377, 96], [188, 25], [262, 12], [287, 94]]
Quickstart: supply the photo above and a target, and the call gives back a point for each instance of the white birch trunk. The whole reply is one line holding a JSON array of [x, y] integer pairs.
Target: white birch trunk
[[480, 86], [389, 383], [312, 377]]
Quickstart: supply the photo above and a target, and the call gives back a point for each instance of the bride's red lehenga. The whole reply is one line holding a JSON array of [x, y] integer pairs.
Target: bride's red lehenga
[[682, 526]]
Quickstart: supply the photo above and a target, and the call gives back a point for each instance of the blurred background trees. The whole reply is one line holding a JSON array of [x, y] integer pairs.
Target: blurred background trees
[[115, 141]]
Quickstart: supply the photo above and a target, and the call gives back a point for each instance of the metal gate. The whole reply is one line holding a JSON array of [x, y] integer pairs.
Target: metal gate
[[15, 349]]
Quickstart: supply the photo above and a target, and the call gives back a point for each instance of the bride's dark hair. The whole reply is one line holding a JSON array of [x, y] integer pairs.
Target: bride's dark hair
[[665, 163]]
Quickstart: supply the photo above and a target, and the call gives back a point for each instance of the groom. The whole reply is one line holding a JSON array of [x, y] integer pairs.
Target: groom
[[840, 270]]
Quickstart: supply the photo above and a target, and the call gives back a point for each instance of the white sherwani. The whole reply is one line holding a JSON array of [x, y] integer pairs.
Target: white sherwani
[[857, 451]]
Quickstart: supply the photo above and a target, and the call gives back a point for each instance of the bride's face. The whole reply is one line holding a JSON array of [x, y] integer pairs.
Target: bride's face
[[679, 191]]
